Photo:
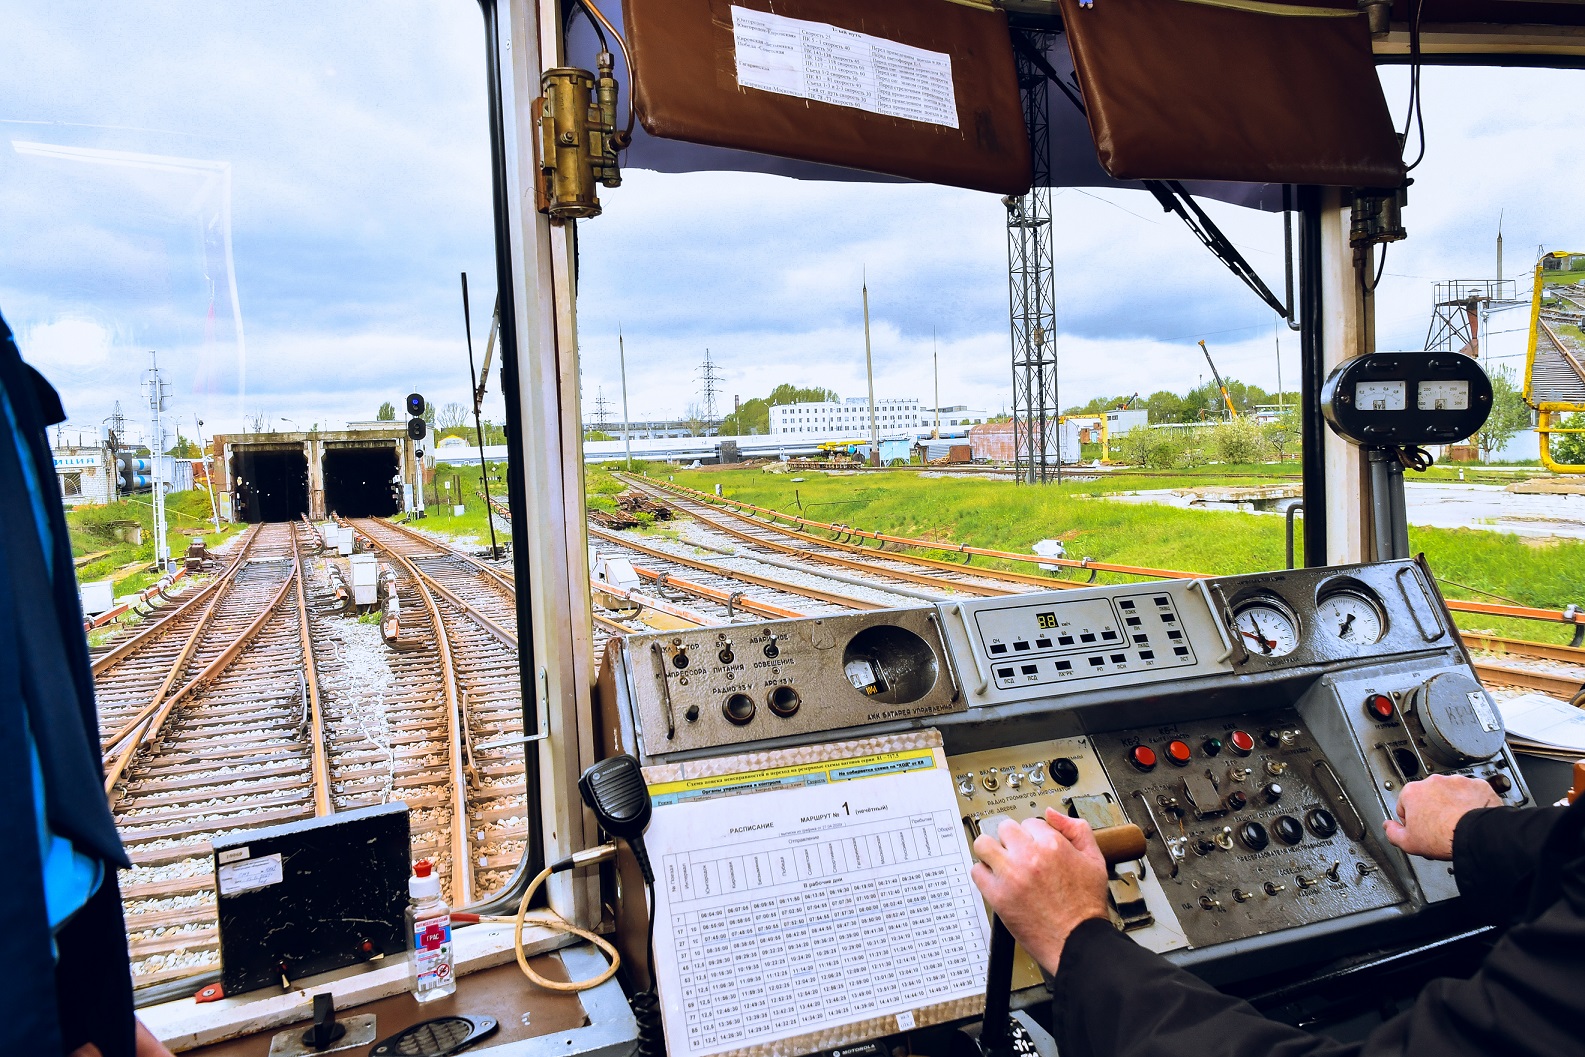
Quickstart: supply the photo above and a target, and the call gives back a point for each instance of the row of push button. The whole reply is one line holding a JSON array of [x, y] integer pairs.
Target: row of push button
[[1240, 742]]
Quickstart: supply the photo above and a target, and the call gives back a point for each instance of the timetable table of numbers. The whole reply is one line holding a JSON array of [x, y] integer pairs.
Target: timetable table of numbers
[[800, 909]]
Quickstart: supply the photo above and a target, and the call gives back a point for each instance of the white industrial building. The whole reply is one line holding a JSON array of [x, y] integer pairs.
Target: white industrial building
[[893, 415]]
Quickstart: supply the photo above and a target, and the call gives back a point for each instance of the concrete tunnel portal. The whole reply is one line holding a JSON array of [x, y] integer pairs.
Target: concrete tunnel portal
[[270, 484], [367, 470], [361, 482]]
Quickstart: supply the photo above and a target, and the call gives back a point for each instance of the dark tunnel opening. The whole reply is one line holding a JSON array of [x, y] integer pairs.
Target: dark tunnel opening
[[361, 482], [270, 485]]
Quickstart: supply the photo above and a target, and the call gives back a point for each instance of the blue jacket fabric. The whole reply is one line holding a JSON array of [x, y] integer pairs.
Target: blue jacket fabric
[[51, 1004]]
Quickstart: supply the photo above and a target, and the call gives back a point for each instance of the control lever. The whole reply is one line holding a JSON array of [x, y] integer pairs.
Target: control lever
[[1118, 844]]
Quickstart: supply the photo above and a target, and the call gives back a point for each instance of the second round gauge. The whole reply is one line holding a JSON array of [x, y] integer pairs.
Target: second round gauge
[[1350, 617], [1267, 628]]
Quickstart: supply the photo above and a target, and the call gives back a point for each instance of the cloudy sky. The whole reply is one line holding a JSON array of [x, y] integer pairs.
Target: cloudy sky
[[343, 148]]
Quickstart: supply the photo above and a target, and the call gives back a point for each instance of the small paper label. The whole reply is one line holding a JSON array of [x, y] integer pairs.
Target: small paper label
[[233, 854], [1484, 712], [249, 874], [813, 60], [905, 1020]]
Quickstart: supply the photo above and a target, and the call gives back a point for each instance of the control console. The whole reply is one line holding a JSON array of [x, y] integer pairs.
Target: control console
[[1258, 729]]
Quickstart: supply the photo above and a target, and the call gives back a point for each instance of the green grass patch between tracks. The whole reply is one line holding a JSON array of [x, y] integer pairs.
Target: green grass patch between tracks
[[94, 528]]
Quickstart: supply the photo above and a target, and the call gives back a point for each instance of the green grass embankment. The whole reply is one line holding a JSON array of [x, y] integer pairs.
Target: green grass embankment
[[93, 532], [1001, 515]]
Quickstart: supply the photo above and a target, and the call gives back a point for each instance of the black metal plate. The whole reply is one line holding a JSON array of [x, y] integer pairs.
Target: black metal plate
[[436, 1038], [311, 896]]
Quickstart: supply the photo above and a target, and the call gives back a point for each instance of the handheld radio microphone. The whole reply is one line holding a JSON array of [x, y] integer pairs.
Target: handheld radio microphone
[[615, 791]]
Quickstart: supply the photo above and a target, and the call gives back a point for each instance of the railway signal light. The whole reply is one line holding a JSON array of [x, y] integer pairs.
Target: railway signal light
[[415, 405], [416, 428]]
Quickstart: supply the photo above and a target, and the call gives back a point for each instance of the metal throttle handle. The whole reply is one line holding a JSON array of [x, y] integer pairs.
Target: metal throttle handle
[[1118, 844]]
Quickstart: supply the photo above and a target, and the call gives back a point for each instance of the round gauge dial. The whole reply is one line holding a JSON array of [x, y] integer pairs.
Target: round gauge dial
[[1350, 618], [1267, 629]]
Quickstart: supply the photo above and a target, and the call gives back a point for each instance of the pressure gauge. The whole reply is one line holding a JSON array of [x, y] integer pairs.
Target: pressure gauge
[[1267, 628], [1349, 617]]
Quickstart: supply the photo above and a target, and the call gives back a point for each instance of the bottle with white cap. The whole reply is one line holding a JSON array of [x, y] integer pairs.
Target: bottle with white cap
[[430, 966]]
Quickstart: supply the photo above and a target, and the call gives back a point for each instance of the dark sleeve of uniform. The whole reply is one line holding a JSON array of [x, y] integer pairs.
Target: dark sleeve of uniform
[[1115, 999], [1496, 851]]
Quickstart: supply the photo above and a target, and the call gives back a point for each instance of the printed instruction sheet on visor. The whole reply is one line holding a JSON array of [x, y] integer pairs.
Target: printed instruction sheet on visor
[[819, 901], [813, 60]]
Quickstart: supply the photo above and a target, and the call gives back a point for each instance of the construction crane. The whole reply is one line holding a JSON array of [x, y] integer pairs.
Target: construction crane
[[1231, 410]]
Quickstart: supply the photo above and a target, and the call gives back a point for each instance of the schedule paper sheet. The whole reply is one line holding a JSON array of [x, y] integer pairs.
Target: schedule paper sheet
[[805, 903]]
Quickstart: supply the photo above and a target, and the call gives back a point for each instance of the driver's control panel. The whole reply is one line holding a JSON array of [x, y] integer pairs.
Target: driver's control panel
[[1248, 826]]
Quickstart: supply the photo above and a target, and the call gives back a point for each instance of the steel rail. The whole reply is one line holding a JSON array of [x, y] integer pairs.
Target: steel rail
[[154, 631], [906, 541], [813, 593], [319, 761], [1523, 648], [462, 859], [1557, 685], [151, 726], [1454, 604], [725, 598], [868, 563]]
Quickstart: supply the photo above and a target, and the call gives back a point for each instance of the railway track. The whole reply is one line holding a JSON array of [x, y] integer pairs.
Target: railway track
[[207, 730], [456, 697], [1542, 666], [941, 579]]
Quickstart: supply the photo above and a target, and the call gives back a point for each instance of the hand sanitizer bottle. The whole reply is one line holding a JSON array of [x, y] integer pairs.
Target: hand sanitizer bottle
[[430, 967]]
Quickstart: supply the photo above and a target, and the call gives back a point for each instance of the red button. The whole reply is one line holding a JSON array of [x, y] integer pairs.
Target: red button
[[1379, 706], [1242, 743], [1178, 752], [1142, 757]]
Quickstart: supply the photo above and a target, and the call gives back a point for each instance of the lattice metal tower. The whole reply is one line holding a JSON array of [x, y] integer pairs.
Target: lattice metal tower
[[709, 388], [1459, 308], [1031, 289], [601, 404]]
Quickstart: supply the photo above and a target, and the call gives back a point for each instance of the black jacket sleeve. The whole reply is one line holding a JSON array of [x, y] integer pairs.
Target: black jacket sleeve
[[1495, 854], [1528, 998], [1113, 997]]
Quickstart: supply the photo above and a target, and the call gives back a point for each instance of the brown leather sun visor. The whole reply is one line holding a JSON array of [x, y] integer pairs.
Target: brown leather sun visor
[[921, 89], [1260, 93]]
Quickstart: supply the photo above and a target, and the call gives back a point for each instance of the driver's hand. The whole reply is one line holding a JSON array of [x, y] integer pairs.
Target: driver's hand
[[1042, 877], [1429, 810]]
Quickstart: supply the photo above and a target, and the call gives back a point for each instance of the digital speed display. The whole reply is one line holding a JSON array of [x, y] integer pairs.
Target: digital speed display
[[1047, 621], [1380, 396]]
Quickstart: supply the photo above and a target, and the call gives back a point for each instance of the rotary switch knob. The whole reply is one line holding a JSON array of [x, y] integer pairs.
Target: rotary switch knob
[[1461, 725]]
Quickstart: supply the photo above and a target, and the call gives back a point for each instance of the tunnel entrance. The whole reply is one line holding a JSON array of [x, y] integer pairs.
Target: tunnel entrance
[[270, 485], [362, 481]]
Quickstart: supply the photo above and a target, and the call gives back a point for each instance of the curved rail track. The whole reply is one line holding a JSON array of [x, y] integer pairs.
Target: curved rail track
[[207, 729], [458, 674]]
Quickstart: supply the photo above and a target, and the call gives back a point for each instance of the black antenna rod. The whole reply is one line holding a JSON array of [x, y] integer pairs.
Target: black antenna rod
[[478, 428]]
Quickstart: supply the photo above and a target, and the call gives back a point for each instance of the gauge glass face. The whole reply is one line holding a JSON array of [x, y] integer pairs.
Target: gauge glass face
[[1350, 618], [1443, 396], [1380, 396], [1266, 630]]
